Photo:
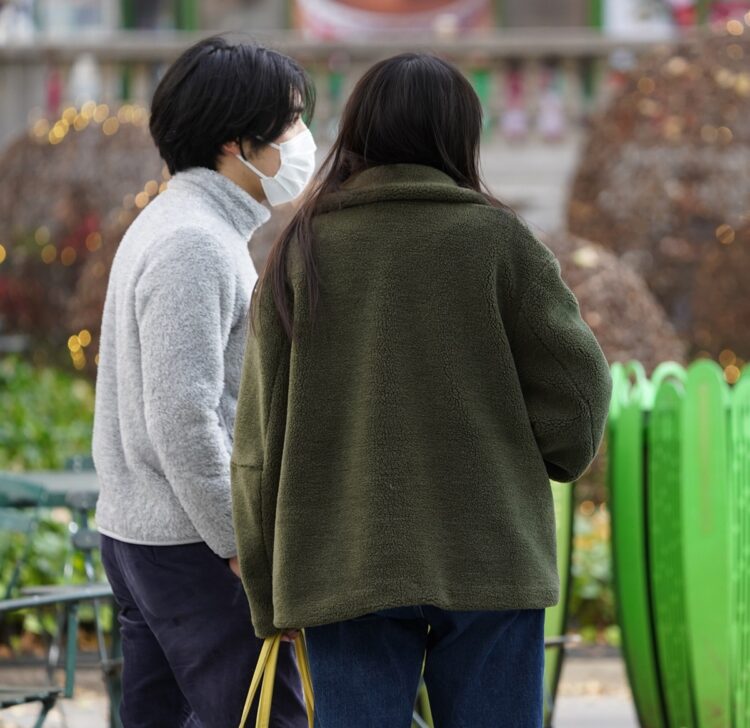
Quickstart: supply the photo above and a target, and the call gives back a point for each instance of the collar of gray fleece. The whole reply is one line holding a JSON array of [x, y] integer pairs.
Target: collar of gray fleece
[[240, 209]]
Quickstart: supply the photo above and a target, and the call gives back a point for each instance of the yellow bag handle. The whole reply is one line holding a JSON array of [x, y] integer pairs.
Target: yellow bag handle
[[264, 678], [304, 672]]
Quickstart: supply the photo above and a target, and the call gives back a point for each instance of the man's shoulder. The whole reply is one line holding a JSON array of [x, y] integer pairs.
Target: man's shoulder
[[157, 251], [164, 234]]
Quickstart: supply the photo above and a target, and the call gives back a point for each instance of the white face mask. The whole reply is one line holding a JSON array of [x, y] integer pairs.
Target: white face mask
[[295, 172]]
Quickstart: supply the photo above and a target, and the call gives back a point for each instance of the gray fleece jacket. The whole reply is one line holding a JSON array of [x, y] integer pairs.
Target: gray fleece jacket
[[170, 358]]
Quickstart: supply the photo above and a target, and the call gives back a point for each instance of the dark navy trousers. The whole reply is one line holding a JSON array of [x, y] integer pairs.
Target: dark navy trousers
[[482, 669], [189, 649]]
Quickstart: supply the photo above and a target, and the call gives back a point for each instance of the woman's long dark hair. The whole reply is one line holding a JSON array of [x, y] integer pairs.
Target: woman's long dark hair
[[410, 109]]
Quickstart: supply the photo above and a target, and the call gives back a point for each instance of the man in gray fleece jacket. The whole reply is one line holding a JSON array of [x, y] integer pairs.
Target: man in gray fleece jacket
[[171, 352]]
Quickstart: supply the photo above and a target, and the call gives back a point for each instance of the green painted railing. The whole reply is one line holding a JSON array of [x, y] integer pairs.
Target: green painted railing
[[679, 475], [556, 618]]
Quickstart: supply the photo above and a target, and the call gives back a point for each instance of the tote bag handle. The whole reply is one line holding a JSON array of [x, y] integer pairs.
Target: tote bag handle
[[264, 678]]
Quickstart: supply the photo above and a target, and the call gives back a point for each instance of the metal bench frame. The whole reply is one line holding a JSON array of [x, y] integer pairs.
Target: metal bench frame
[[48, 694]]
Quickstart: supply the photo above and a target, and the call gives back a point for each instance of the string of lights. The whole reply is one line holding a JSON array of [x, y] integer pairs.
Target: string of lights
[[79, 206]]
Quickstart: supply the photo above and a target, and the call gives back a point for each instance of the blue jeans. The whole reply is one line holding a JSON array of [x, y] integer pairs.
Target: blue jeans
[[482, 669], [189, 649]]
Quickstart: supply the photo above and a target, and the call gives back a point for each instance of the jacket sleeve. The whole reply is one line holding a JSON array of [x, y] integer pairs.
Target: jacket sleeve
[[564, 376], [263, 390], [184, 299]]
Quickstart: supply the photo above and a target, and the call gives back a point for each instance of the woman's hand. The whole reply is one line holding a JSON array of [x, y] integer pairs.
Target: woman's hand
[[289, 635]]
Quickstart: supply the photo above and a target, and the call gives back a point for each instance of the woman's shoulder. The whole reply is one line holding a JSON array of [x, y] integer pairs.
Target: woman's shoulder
[[505, 230], [493, 231]]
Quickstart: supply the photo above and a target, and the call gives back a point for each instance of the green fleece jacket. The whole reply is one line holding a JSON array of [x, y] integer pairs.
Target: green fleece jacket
[[399, 452]]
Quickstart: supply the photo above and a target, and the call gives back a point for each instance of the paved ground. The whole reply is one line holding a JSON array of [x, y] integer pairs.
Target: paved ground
[[607, 712], [593, 694]]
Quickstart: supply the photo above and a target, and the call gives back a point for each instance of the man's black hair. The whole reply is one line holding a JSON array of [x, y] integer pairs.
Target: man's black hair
[[218, 92]]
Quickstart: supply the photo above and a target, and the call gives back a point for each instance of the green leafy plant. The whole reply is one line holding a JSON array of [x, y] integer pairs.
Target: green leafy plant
[[592, 600], [47, 416], [45, 564], [50, 561]]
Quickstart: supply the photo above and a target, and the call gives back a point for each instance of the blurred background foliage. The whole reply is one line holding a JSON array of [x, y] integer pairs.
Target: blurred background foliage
[[47, 416]]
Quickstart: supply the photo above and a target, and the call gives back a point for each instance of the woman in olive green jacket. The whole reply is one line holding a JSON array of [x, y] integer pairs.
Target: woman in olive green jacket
[[417, 373]]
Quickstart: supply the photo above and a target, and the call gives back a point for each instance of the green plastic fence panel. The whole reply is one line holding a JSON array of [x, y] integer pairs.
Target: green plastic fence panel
[[630, 561], [642, 388], [665, 548], [740, 559], [637, 372], [556, 618], [668, 370], [620, 389], [706, 540]]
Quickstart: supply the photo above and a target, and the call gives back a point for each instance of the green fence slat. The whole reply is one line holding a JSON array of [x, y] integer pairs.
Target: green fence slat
[[630, 562], [620, 387], [665, 548], [556, 618], [740, 560], [668, 370], [706, 541], [642, 388]]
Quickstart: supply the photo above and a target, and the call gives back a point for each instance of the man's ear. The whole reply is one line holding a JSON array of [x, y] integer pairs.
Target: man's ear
[[231, 148]]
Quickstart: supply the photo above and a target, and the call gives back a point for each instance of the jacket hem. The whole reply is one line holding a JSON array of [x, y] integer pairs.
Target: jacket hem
[[148, 542], [358, 605]]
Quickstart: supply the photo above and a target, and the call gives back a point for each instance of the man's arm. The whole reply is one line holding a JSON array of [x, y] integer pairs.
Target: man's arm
[[184, 300]]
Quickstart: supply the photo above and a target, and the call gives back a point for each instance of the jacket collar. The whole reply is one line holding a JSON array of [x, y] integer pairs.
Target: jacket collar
[[399, 182], [226, 199]]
